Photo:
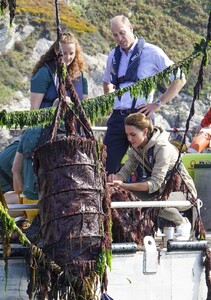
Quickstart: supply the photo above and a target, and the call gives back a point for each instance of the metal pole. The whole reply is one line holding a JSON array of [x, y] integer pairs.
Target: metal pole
[[174, 130], [119, 204], [134, 204]]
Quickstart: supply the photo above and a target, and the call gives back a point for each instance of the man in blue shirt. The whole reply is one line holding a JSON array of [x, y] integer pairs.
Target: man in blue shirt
[[131, 60]]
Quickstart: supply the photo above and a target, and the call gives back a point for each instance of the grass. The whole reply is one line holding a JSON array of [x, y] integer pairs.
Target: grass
[[6, 94], [44, 11]]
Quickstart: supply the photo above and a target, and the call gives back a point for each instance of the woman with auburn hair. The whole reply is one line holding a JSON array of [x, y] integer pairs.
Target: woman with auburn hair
[[152, 150], [45, 82]]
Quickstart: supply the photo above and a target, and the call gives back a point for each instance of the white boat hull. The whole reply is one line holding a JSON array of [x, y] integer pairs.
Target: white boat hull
[[180, 275], [175, 276]]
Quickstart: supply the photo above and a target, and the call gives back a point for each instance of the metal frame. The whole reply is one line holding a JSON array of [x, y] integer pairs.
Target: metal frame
[[119, 204]]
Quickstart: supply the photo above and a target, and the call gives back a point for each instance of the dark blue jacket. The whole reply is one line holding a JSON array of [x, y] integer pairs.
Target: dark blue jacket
[[131, 73]]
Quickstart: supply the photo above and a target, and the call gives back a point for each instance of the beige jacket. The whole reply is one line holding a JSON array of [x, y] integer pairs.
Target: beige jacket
[[164, 157]]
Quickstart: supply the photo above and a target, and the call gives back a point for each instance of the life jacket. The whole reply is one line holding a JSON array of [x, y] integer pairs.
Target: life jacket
[[52, 93], [199, 143], [131, 73], [150, 163], [142, 173]]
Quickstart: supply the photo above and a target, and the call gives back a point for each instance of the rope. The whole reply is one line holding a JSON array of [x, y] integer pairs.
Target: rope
[[198, 86], [65, 84]]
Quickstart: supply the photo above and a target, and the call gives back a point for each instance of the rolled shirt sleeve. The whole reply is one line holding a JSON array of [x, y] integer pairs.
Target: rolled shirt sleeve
[[41, 81]]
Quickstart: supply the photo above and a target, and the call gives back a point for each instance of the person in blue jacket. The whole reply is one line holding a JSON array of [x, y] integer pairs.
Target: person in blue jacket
[[45, 82], [6, 177], [24, 178], [6, 160]]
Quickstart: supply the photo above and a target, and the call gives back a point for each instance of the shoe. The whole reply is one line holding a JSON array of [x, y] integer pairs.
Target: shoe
[[159, 233], [183, 231], [22, 222]]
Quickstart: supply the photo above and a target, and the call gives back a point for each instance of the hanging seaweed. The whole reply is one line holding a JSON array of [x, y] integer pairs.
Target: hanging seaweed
[[131, 224], [11, 5], [7, 227], [100, 106], [30, 118], [202, 49]]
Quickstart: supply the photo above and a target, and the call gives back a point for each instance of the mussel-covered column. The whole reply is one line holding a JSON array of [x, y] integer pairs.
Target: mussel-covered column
[[74, 209]]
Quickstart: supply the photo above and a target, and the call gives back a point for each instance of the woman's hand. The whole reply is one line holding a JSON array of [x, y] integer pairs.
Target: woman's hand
[[116, 183], [67, 100], [111, 178], [115, 180]]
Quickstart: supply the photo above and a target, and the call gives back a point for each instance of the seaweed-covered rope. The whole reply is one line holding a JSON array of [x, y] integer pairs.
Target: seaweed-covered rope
[[65, 84], [79, 109], [198, 86], [12, 7]]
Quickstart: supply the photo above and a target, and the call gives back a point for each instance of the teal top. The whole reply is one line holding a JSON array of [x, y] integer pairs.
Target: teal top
[[6, 160], [42, 80], [28, 143]]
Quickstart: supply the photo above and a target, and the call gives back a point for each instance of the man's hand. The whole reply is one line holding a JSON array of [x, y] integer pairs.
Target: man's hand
[[108, 88], [196, 129], [148, 109]]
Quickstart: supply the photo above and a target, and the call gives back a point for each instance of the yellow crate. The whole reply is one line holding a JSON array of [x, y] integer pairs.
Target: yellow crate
[[190, 159]]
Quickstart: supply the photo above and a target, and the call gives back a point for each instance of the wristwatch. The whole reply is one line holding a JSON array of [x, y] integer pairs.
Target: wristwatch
[[158, 102]]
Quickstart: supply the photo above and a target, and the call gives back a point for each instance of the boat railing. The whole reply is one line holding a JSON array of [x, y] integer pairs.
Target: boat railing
[[104, 128], [119, 204], [170, 130], [173, 130], [130, 247]]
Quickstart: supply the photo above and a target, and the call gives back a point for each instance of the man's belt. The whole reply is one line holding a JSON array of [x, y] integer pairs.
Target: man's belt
[[124, 111]]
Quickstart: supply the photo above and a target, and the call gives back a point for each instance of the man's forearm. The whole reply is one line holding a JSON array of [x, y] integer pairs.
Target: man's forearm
[[173, 90]]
